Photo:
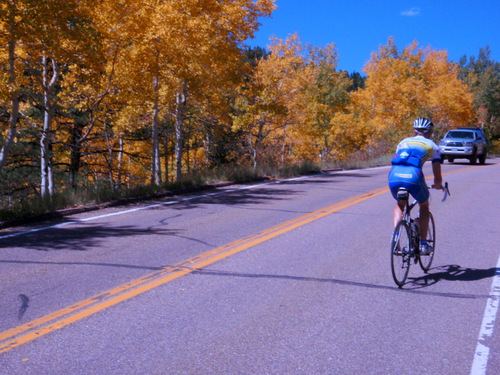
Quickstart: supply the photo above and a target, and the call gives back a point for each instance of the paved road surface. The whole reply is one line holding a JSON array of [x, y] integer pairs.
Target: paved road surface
[[279, 278]]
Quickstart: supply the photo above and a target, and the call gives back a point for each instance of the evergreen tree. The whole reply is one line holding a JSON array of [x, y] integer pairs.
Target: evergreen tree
[[482, 74]]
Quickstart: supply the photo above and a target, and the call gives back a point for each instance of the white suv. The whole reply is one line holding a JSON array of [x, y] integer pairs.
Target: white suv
[[464, 143]]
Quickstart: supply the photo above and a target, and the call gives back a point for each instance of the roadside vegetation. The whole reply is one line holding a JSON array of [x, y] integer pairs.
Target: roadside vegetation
[[100, 195], [108, 100]]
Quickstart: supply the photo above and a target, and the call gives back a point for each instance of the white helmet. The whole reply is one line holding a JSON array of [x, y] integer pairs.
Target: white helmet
[[423, 125]]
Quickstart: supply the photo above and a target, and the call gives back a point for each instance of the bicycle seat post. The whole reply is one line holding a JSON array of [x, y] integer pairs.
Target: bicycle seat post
[[403, 196]]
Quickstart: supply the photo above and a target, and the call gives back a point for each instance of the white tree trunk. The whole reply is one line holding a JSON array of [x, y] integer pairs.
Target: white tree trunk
[[46, 176], [180, 117], [156, 162]]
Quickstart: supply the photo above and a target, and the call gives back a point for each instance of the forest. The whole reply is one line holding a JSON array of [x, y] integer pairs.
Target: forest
[[111, 96]]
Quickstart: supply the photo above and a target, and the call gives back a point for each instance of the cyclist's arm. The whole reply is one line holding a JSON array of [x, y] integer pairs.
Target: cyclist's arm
[[436, 167], [438, 179]]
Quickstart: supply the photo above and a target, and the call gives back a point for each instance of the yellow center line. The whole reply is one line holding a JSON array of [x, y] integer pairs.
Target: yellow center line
[[37, 328]]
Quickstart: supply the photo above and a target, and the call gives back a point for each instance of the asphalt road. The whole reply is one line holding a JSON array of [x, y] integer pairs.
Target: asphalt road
[[277, 278]]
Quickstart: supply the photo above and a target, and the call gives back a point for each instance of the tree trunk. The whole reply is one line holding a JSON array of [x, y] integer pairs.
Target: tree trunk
[[120, 159], [258, 143], [252, 149], [47, 185], [14, 114], [110, 157], [165, 146], [75, 155], [283, 154], [180, 117], [283, 150], [156, 162], [14, 111], [187, 151], [45, 159]]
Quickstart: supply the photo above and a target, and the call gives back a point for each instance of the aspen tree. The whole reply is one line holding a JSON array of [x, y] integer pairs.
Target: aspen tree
[[12, 30], [415, 82], [56, 34], [269, 104], [327, 97], [189, 46]]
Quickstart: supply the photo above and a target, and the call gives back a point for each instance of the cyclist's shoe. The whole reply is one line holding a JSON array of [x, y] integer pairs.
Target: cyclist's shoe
[[425, 249]]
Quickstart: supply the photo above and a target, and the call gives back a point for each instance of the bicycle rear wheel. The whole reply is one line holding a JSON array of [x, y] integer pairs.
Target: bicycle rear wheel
[[426, 260], [400, 253]]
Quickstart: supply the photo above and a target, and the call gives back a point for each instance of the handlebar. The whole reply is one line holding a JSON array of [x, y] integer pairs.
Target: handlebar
[[446, 191]]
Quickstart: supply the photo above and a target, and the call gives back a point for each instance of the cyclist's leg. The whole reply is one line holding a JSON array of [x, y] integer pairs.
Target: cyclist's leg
[[398, 213], [424, 219], [421, 193]]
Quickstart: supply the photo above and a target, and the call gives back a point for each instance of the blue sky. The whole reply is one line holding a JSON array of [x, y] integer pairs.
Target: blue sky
[[359, 27]]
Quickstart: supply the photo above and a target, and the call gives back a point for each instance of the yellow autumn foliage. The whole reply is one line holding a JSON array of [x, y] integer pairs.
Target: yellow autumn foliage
[[160, 87], [401, 86]]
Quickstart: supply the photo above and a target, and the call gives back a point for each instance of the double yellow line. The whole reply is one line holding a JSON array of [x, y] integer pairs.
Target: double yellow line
[[37, 328]]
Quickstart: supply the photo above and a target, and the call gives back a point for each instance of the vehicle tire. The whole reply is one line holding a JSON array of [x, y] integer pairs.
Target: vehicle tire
[[451, 160], [473, 157], [482, 158], [426, 260], [400, 253], [442, 159]]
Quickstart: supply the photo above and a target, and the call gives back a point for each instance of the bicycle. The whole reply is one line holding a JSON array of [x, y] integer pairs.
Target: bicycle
[[405, 240]]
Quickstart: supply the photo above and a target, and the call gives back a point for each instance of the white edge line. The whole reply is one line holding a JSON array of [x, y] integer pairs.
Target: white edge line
[[176, 201], [480, 363]]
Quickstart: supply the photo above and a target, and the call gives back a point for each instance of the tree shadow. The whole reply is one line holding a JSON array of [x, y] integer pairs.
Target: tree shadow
[[452, 272], [93, 264], [251, 194], [257, 195], [76, 238], [325, 177], [234, 197], [63, 232]]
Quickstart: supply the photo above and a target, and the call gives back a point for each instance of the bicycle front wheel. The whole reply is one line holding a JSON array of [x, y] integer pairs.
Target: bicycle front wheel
[[426, 260], [401, 253]]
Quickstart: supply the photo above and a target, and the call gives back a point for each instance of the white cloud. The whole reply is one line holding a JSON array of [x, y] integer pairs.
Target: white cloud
[[411, 12]]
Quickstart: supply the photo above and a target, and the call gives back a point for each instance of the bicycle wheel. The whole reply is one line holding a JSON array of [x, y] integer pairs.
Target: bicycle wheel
[[426, 260], [400, 253]]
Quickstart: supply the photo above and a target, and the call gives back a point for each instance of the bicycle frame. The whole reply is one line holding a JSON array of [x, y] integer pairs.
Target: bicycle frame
[[404, 196]]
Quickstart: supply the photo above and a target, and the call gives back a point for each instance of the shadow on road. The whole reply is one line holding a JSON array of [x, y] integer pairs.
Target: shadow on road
[[256, 195], [475, 276], [234, 197], [93, 264], [61, 234], [452, 272], [78, 238]]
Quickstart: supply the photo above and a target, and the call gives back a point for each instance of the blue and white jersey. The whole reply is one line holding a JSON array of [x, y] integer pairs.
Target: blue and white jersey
[[415, 151]]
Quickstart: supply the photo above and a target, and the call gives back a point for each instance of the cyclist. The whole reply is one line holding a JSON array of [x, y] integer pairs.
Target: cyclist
[[411, 154]]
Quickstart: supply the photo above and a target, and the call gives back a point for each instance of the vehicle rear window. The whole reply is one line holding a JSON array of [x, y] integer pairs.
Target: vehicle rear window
[[460, 134]]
